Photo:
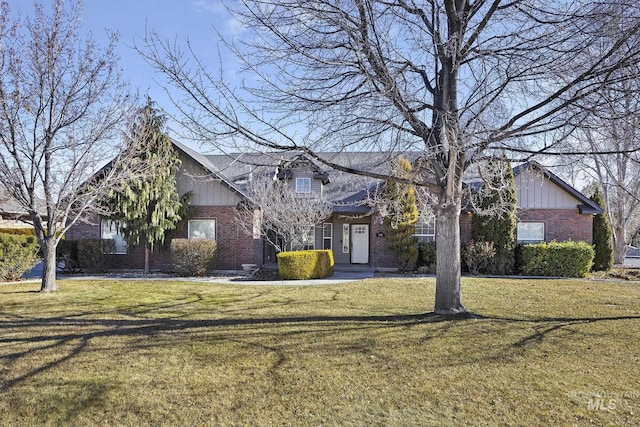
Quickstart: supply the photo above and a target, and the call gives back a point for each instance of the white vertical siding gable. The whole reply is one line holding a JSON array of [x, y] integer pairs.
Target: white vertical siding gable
[[207, 189], [535, 191]]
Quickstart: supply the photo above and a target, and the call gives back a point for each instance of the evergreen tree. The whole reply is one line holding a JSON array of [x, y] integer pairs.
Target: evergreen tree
[[147, 208], [499, 226], [400, 218], [602, 236]]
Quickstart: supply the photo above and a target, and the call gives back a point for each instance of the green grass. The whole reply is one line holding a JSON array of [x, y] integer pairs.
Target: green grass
[[548, 352]]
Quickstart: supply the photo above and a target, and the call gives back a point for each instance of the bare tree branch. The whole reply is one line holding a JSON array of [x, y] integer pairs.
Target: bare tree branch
[[62, 108]]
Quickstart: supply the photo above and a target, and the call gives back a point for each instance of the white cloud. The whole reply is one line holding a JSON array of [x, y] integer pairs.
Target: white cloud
[[234, 28]]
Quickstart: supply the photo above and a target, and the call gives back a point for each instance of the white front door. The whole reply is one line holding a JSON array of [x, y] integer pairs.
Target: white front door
[[360, 243]]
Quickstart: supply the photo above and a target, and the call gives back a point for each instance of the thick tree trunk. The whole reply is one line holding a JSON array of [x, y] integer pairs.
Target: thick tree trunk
[[619, 245], [448, 259], [49, 267]]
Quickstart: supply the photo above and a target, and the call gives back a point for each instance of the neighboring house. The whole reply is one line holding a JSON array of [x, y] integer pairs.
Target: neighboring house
[[12, 214], [548, 208]]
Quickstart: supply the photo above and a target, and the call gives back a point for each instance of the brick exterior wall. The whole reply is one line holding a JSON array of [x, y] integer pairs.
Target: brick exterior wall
[[381, 256], [85, 230], [561, 224], [234, 248], [465, 227]]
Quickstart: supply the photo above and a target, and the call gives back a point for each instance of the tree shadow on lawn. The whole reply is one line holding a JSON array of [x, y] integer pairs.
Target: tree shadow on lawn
[[55, 335]]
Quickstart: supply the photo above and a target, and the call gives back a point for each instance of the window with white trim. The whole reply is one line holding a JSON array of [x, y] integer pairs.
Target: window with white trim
[[530, 232], [327, 235], [202, 229], [303, 185], [110, 230], [426, 228]]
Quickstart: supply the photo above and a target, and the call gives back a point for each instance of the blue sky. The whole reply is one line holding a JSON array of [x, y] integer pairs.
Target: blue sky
[[196, 20]]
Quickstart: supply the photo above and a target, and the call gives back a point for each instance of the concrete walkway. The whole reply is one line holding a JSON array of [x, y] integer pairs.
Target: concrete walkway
[[342, 274], [338, 277]]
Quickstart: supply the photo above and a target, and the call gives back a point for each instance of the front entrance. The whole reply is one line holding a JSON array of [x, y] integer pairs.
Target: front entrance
[[360, 243]]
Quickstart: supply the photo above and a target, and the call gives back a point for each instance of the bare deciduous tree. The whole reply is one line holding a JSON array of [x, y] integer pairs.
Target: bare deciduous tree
[[454, 79], [61, 109], [609, 129], [281, 216], [614, 164]]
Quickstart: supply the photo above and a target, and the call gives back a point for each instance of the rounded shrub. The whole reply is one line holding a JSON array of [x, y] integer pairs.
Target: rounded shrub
[[193, 257], [18, 254]]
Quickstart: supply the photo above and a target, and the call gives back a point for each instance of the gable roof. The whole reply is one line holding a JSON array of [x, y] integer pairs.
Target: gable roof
[[240, 168], [587, 205], [284, 169], [347, 190]]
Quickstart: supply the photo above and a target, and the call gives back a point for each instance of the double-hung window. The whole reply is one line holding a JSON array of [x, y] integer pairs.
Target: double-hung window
[[426, 228], [303, 185], [327, 235]]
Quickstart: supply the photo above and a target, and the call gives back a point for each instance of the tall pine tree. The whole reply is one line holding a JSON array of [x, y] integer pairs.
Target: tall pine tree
[[148, 208], [401, 218], [602, 236], [499, 228]]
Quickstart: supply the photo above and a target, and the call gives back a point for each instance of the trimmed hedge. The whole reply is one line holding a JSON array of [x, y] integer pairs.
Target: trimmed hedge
[[93, 254], [18, 254], [193, 257], [20, 231], [563, 259], [301, 265], [67, 256]]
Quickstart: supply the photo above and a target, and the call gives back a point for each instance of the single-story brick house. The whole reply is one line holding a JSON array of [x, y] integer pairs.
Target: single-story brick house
[[12, 214], [548, 209]]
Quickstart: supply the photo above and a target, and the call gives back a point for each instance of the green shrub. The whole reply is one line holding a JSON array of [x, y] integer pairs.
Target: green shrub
[[193, 257], [67, 255], [18, 254], [427, 256], [300, 265], [93, 254], [602, 237], [401, 216], [563, 259], [498, 227], [478, 255]]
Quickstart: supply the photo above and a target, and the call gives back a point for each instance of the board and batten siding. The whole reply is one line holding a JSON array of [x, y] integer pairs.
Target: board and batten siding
[[316, 184], [206, 188], [535, 191]]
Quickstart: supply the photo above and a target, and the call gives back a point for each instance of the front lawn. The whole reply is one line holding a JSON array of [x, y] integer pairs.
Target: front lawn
[[549, 352]]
